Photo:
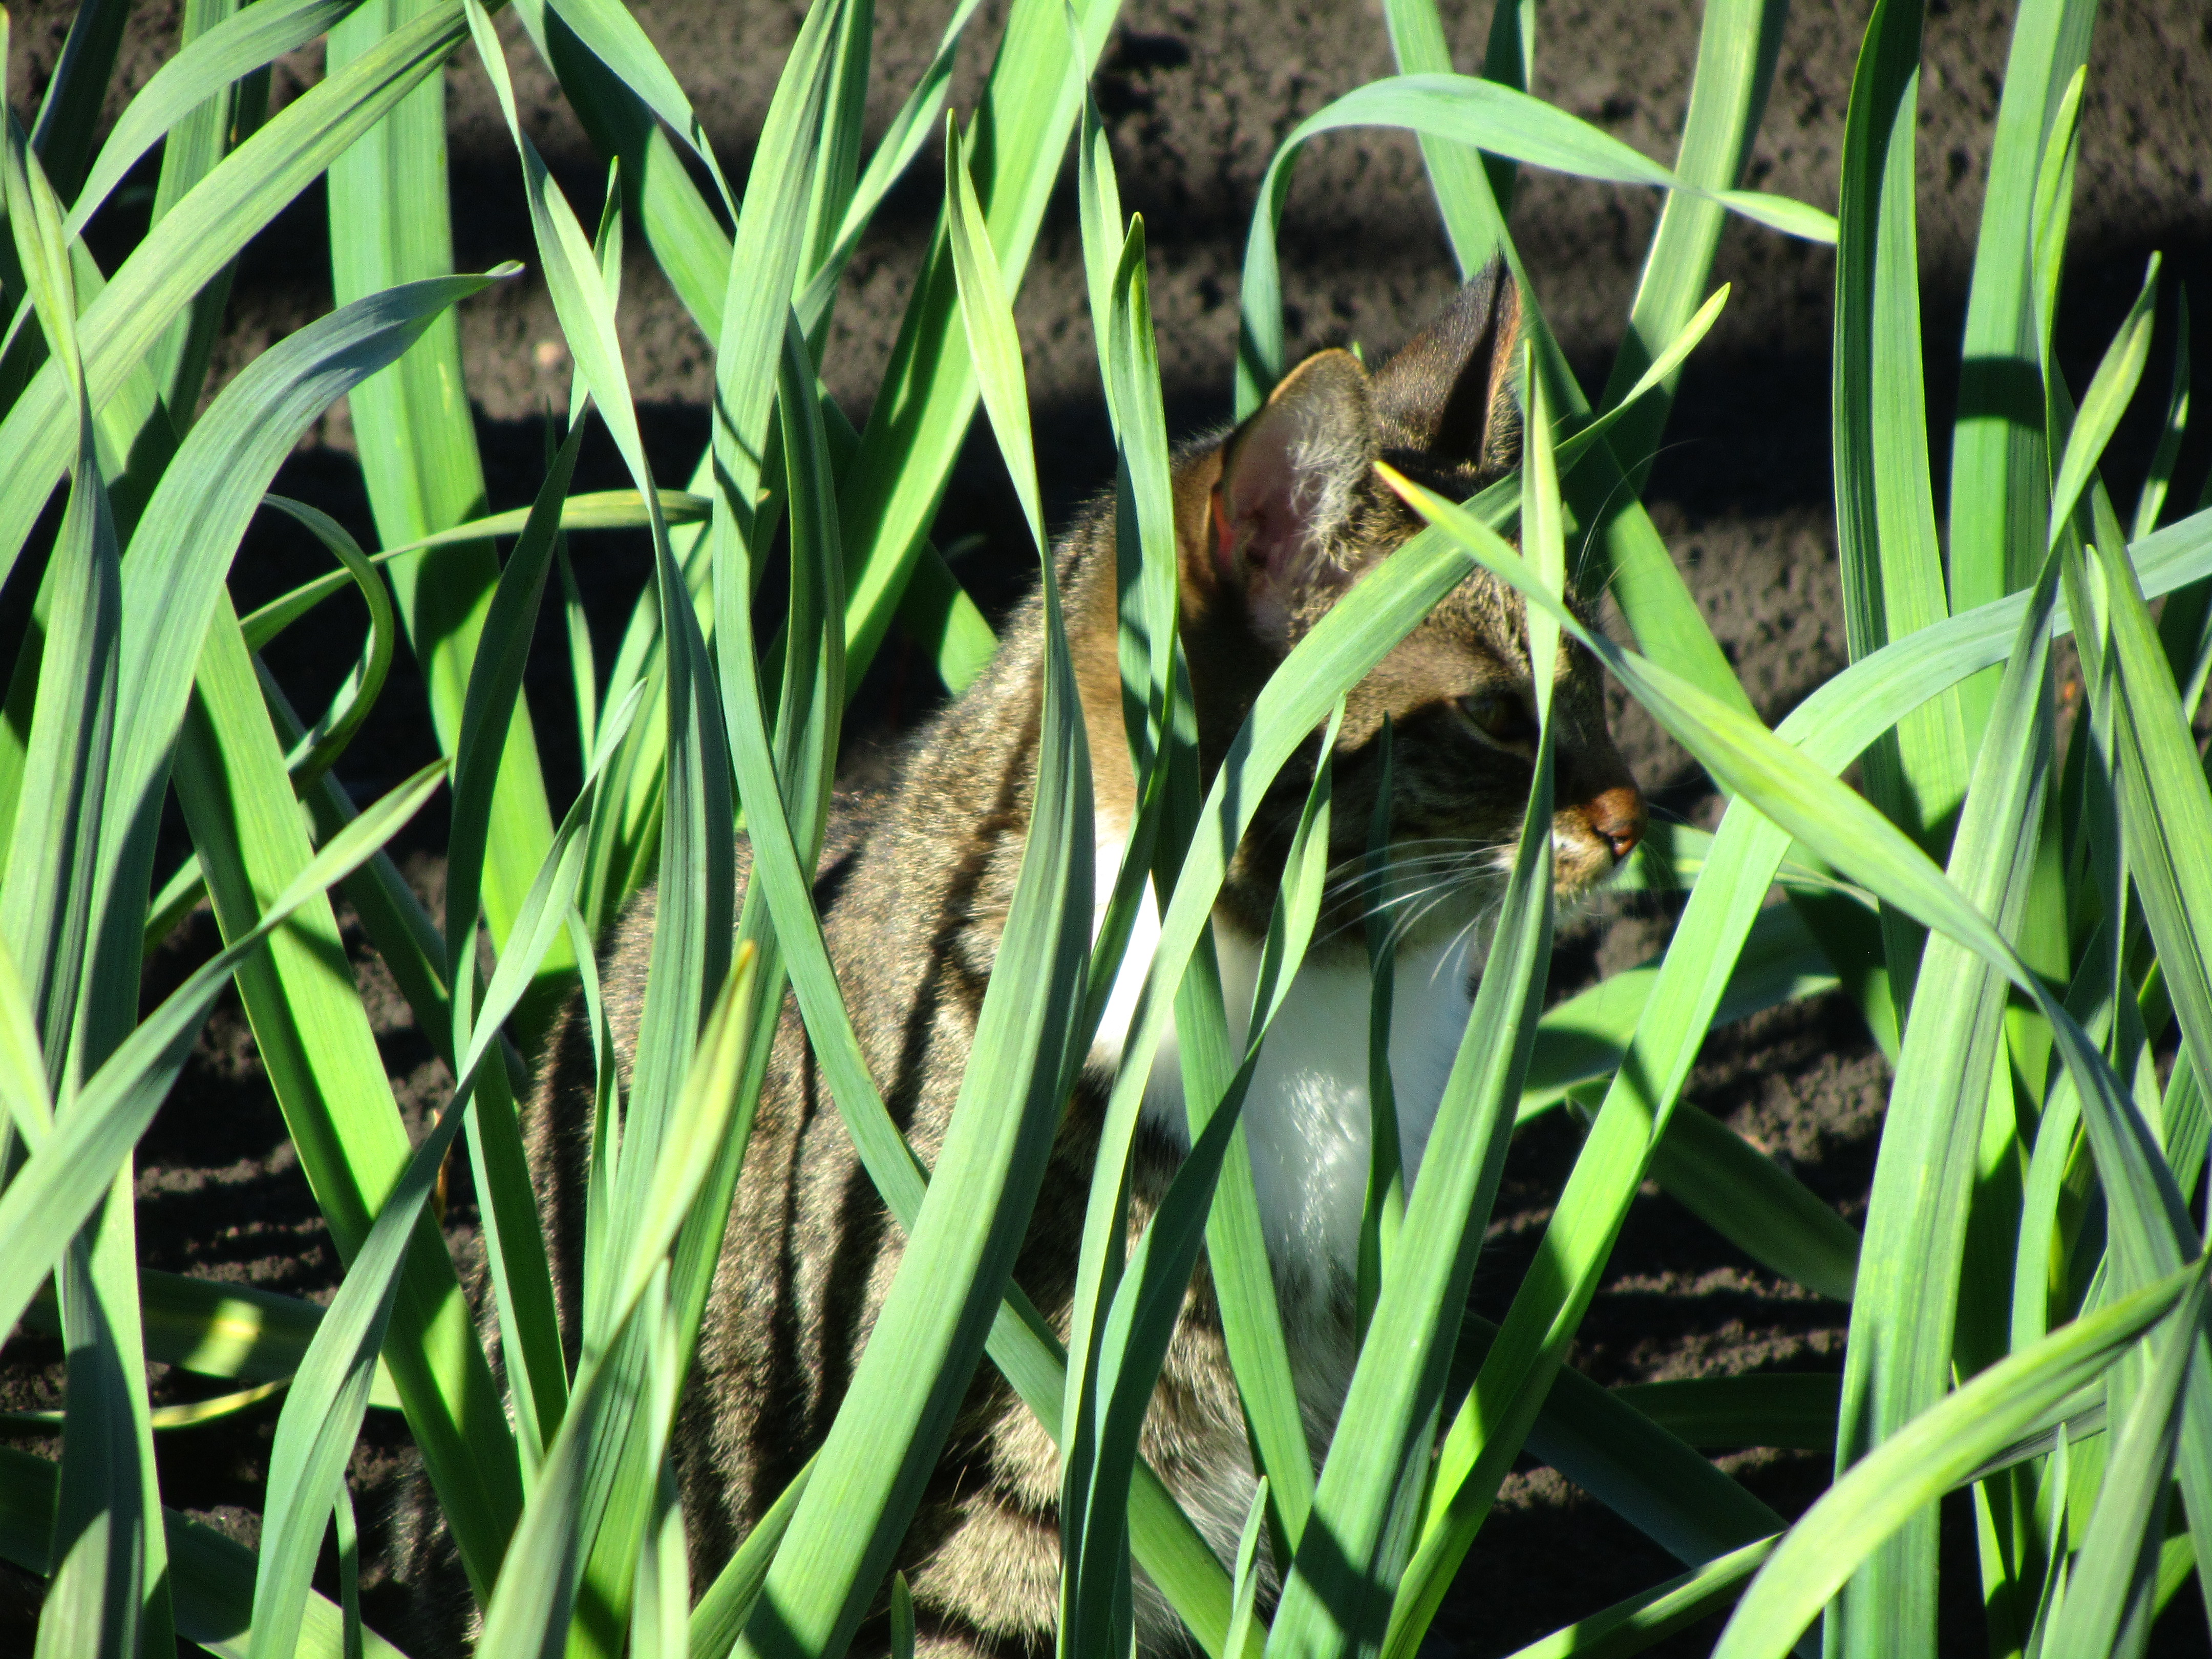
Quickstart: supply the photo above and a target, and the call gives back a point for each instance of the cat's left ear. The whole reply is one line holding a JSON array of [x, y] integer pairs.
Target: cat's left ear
[[1290, 481], [1452, 392]]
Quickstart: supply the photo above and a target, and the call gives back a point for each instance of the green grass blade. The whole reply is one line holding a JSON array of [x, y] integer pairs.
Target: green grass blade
[[390, 222], [109, 1593], [2110, 1592], [1942, 1446], [1900, 1362], [766, 261], [514, 1245], [931, 1331], [69, 112], [172, 580], [314, 753], [719, 1616], [1470, 187], [1479, 113], [58, 1188], [1892, 566], [2000, 472], [322, 1412], [2160, 478], [48, 916], [192, 149], [1133, 1339], [1020, 130], [194, 241], [1645, 1620], [1755, 1204], [530, 1611], [243, 41], [1737, 45], [314, 1037], [213, 1574], [598, 509]]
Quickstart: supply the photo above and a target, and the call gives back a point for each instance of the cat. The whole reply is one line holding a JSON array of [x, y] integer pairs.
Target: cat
[[1273, 521]]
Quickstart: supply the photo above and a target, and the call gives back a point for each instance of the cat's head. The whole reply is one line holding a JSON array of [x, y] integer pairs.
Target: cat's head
[[1294, 513]]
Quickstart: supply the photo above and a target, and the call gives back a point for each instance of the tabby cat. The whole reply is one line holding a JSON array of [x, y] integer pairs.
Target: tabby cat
[[1274, 522]]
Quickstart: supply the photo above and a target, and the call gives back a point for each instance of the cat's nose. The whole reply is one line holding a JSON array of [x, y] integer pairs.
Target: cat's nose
[[1616, 817]]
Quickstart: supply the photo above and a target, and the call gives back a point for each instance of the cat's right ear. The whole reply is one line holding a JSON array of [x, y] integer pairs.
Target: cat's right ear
[[1291, 479], [1451, 391]]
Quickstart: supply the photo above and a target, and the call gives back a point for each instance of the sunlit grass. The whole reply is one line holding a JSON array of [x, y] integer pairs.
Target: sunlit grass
[[2040, 881]]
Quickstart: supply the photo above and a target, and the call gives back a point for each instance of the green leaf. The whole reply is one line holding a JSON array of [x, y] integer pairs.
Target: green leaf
[[194, 241], [1936, 1451], [887, 1437], [1485, 116], [212, 1575], [59, 1185], [390, 222]]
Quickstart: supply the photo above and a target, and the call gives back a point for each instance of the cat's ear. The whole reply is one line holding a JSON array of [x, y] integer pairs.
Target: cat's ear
[[1451, 392], [1291, 480]]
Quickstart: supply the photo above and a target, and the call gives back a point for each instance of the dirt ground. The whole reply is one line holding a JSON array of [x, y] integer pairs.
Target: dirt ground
[[1197, 99]]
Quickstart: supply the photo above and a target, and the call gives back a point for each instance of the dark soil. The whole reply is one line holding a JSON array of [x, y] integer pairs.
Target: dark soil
[[1196, 98]]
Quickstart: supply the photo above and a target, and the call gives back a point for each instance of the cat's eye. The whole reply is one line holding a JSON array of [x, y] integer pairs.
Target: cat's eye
[[1498, 715]]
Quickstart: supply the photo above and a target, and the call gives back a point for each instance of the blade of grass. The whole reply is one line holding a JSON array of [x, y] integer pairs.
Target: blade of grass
[[192, 149], [391, 223], [214, 1574], [2000, 472], [323, 1412], [194, 241], [1479, 113], [1936, 1449], [513, 1243], [1892, 566]]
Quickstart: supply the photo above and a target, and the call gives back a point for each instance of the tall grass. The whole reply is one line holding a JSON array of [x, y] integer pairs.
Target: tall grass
[[2029, 1307]]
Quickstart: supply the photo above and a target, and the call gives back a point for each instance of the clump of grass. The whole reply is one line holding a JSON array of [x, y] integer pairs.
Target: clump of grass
[[2041, 920]]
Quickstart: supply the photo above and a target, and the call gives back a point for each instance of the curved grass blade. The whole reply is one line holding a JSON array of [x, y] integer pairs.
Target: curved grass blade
[[248, 40], [1481, 114], [514, 1245], [322, 1415], [390, 222], [65, 1179], [931, 1330], [213, 1574], [598, 509], [1938, 1448], [318, 751], [194, 241], [2000, 469]]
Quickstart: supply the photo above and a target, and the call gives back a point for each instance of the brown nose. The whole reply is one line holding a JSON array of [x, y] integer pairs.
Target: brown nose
[[1616, 817]]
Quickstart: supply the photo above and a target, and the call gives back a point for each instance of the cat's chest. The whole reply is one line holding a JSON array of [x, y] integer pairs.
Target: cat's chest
[[1307, 1115]]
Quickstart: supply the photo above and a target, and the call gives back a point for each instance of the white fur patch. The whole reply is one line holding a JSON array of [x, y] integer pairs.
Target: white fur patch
[[1307, 1115]]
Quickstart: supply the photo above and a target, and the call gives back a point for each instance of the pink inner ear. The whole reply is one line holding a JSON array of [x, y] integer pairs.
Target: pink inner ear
[[1263, 506]]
